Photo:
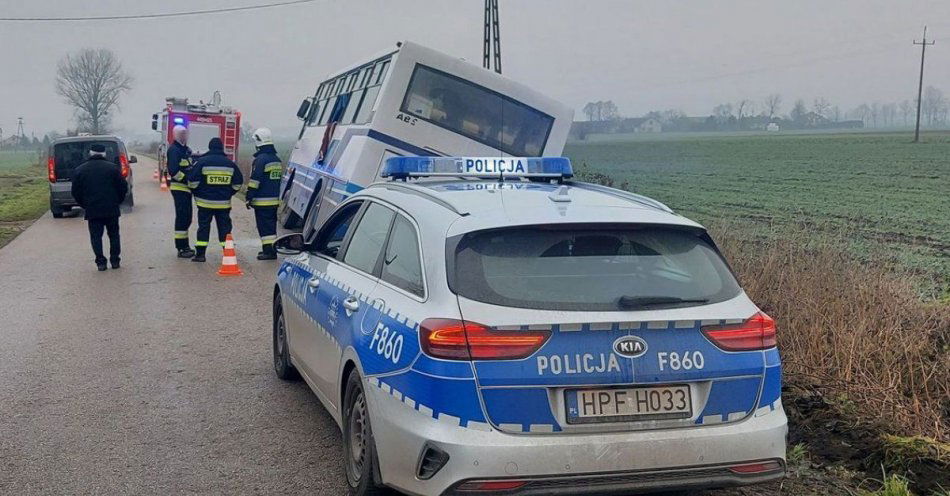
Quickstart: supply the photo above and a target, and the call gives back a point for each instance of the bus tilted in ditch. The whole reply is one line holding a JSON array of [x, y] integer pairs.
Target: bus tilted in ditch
[[409, 101]]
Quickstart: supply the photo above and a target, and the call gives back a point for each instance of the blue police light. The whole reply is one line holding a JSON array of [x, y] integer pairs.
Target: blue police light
[[483, 167], [179, 120]]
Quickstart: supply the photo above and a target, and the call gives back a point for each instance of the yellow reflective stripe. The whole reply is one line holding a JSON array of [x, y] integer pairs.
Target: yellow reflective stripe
[[237, 187], [265, 202], [180, 187], [201, 243], [181, 234], [273, 166], [220, 204], [179, 176], [184, 163], [253, 183]]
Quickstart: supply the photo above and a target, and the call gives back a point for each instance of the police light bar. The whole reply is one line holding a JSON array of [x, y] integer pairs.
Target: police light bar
[[484, 167], [179, 120]]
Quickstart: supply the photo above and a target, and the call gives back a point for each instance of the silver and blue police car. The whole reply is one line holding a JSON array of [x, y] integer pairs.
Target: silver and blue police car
[[480, 325]]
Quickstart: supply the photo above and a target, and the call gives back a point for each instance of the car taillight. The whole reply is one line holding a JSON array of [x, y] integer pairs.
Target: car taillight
[[454, 339], [51, 169], [756, 468], [756, 333], [124, 164]]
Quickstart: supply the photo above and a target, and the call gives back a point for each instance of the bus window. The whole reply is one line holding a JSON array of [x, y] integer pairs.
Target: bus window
[[315, 111], [327, 110], [366, 109], [476, 112], [381, 71], [355, 98], [350, 81], [364, 76]]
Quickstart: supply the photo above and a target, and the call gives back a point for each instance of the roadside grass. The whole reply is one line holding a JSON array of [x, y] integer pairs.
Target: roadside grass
[[23, 192], [892, 485], [855, 331]]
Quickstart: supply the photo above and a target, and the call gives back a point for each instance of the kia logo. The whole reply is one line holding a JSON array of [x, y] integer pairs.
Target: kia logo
[[630, 346]]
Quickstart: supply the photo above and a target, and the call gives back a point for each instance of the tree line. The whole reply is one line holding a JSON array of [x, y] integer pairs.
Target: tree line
[[767, 113]]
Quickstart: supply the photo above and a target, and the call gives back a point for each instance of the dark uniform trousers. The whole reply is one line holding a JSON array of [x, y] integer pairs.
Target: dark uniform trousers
[[182, 218], [266, 218], [110, 225], [222, 219]]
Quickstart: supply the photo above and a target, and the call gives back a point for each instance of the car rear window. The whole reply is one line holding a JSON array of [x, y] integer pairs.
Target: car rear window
[[70, 155], [590, 268]]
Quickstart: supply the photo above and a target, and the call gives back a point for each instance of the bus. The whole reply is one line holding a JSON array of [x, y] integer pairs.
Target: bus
[[411, 100]]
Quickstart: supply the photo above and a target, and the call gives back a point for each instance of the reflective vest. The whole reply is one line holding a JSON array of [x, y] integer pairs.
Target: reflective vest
[[214, 179], [263, 190], [179, 163]]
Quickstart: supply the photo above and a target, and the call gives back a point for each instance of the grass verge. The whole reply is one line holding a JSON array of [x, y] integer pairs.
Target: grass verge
[[23, 193]]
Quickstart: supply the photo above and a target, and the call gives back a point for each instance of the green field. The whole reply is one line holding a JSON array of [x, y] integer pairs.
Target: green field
[[883, 194], [23, 192]]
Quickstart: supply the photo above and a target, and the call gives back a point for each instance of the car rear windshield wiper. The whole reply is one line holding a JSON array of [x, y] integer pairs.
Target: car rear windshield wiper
[[653, 301]]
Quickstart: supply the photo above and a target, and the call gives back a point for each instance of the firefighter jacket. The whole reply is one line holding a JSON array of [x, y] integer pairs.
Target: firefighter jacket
[[263, 190], [214, 179], [179, 162]]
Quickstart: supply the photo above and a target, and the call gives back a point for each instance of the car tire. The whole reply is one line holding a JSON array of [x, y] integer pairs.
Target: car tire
[[58, 213], [359, 448], [282, 366]]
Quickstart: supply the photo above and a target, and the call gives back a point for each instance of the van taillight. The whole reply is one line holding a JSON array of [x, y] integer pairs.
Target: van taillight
[[51, 169], [454, 339], [124, 164], [756, 333]]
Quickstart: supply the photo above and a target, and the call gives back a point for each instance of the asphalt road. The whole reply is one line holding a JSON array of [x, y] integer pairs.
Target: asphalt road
[[151, 379]]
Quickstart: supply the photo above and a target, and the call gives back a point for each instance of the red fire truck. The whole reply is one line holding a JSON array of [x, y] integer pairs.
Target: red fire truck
[[203, 120]]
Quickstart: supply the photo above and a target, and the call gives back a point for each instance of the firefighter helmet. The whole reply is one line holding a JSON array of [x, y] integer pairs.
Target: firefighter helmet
[[262, 137]]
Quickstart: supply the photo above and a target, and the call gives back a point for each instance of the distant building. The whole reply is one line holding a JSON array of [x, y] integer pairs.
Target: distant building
[[640, 125], [773, 127]]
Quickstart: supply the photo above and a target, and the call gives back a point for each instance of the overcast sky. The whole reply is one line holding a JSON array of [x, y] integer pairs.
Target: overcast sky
[[643, 55]]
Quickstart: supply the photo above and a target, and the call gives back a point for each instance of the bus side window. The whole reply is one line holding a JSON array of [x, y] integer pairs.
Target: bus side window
[[327, 110], [365, 112], [381, 72], [355, 98]]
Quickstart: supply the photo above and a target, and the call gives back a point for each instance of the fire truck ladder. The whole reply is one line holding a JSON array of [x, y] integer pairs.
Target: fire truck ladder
[[230, 136], [492, 36]]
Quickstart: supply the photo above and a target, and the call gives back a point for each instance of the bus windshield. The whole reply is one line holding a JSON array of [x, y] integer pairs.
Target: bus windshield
[[476, 112]]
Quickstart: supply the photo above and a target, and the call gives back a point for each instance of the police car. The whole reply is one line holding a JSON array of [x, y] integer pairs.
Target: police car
[[488, 325]]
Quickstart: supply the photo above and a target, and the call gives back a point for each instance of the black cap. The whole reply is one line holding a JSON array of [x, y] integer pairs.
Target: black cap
[[215, 144], [98, 148]]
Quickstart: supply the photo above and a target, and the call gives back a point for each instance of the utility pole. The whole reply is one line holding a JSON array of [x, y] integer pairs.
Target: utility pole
[[920, 85], [21, 136], [492, 41]]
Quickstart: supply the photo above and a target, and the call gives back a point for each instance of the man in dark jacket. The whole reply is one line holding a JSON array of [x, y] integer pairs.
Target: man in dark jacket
[[99, 188], [263, 191], [213, 180], [179, 162]]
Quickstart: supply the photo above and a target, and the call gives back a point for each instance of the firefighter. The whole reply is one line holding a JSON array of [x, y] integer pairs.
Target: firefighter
[[179, 163], [263, 190], [213, 180]]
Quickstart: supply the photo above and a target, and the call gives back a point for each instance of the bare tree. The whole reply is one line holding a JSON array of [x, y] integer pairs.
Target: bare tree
[[821, 106], [835, 114], [862, 112], [92, 82], [772, 104], [743, 106], [723, 112], [907, 108], [798, 113], [932, 105]]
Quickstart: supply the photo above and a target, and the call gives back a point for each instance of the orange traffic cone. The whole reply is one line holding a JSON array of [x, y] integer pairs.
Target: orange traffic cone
[[164, 184], [155, 175], [229, 265]]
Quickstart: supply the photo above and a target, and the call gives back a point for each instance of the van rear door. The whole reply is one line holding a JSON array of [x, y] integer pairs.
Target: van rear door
[[71, 154]]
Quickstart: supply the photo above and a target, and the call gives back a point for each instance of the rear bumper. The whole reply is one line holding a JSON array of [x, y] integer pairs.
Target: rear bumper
[[60, 194], [570, 463]]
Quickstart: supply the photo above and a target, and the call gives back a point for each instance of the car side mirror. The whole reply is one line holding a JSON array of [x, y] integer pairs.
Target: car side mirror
[[133, 159], [290, 244], [304, 108]]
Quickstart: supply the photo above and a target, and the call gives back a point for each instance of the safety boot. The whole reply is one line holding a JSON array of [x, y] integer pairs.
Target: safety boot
[[185, 253], [268, 253]]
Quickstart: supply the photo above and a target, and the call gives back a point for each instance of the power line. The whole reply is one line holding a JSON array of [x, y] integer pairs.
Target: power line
[[154, 16]]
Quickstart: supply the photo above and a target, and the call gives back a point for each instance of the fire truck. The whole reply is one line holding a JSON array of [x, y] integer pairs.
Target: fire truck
[[203, 120]]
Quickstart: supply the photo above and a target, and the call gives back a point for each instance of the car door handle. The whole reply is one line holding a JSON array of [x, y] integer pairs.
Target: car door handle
[[314, 282], [351, 304]]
